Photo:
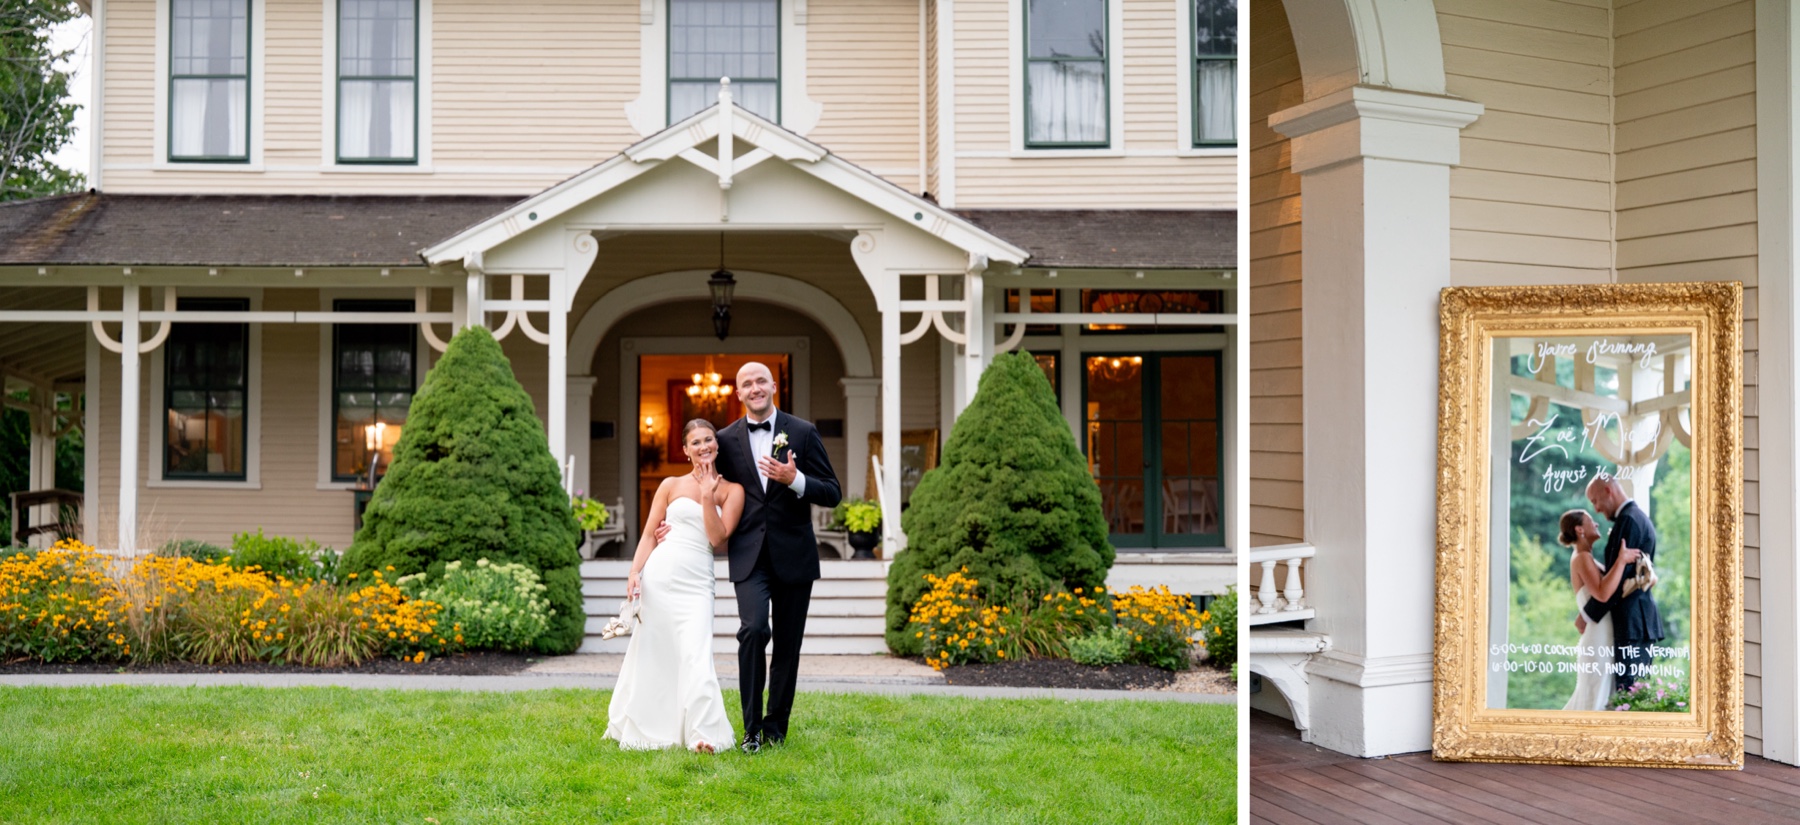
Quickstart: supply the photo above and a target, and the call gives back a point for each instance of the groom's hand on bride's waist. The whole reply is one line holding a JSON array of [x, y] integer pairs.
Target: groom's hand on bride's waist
[[662, 532]]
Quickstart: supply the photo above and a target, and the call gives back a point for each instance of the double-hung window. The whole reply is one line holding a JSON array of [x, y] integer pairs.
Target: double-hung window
[[1066, 95], [372, 387], [209, 80], [1215, 72], [205, 383], [378, 81], [710, 39]]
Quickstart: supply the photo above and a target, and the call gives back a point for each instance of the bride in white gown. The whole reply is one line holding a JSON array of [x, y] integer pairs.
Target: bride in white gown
[[1594, 675], [668, 692]]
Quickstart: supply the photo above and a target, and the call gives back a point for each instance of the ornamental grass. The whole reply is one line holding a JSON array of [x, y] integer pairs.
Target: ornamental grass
[[60, 605], [954, 623]]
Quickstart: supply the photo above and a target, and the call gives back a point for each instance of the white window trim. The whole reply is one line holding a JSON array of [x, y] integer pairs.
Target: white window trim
[[649, 113], [1115, 85], [160, 136], [327, 426], [1184, 58], [328, 160], [156, 422]]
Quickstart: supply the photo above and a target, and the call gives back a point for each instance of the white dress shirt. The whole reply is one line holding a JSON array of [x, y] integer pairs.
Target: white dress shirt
[[762, 443]]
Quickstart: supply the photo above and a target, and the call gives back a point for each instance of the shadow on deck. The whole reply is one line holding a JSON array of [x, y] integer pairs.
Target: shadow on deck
[[1295, 782]]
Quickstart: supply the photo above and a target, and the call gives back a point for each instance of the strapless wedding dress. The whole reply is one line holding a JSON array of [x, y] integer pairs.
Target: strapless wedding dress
[[668, 692], [1594, 678]]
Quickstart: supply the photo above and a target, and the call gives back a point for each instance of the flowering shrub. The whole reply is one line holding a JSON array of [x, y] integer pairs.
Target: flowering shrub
[[59, 605], [955, 626], [56, 605], [498, 606], [1164, 626], [953, 623], [1657, 695]]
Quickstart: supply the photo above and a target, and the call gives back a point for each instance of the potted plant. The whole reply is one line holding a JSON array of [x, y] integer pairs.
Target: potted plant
[[591, 516], [861, 520]]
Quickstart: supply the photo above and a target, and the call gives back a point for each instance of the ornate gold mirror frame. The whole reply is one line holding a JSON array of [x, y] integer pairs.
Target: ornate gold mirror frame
[[1627, 373]]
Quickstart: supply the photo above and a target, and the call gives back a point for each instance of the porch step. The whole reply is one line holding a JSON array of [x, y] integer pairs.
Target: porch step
[[847, 614]]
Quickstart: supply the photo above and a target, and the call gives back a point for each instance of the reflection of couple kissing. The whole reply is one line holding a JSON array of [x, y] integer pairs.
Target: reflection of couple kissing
[[1618, 618]]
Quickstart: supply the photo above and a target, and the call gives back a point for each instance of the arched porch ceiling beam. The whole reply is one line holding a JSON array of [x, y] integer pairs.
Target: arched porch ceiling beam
[[1388, 43]]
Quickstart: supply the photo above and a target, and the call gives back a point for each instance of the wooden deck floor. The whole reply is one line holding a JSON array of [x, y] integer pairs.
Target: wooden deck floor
[[1294, 782]]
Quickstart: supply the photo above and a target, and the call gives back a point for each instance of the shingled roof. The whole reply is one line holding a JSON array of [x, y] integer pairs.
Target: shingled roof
[[234, 230], [1117, 238], [93, 228]]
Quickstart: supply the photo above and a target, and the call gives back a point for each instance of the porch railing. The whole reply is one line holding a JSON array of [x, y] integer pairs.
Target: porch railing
[[1288, 603]]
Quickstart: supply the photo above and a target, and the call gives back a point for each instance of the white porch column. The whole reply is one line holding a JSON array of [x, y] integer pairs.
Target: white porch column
[[891, 536], [860, 398], [980, 349], [129, 398], [581, 398], [557, 421], [1375, 181]]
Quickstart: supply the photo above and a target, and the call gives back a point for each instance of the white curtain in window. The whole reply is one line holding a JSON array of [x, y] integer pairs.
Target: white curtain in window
[[208, 118], [686, 98], [375, 119], [1068, 102], [1217, 84]]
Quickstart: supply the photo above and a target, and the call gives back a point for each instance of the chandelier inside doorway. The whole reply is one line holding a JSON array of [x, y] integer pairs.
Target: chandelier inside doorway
[[1115, 368], [709, 392]]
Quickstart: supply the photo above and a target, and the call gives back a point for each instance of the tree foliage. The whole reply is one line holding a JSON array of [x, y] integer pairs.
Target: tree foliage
[[473, 478], [1012, 501], [36, 116]]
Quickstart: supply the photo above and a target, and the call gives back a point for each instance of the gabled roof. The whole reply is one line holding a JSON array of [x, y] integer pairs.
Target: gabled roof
[[94, 228], [683, 140]]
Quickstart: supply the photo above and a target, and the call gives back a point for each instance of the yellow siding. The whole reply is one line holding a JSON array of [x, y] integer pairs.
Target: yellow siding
[[863, 67], [1277, 489], [933, 158], [521, 96], [1531, 200], [1150, 175]]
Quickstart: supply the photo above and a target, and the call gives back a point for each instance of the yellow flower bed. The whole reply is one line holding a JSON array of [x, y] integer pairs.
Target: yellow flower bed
[[956, 625], [59, 605]]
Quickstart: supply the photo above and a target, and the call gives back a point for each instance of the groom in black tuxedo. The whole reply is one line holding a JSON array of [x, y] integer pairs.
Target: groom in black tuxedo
[[774, 557], [1636, 621]]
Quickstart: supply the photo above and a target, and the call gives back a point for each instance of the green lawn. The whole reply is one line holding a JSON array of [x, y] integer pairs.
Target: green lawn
[[217, 755]]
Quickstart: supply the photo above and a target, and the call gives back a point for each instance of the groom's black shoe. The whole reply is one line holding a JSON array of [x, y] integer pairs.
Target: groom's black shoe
[[752, 743]]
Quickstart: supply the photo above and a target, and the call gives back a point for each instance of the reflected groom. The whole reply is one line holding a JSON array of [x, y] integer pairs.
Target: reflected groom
[[1636, 620]]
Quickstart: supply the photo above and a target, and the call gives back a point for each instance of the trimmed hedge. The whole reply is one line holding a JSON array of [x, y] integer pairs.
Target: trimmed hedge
[[473, 478], [1012, 502]]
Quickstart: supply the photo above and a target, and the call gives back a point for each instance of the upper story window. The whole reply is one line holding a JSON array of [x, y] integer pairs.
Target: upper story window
[[1215, 72], [205, 383], [209, 80], [710, 39], [1066, 95], [378, 81]]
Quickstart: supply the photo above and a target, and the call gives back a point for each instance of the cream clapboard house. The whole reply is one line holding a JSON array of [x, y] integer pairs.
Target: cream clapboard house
[[297, 202], [1401, 147]]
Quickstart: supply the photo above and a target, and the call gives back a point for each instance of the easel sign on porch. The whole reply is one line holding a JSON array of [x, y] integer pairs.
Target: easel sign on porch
[[1583, 430]]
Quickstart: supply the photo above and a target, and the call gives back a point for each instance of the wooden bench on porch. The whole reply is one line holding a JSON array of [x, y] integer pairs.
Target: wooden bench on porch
[[67, 514]]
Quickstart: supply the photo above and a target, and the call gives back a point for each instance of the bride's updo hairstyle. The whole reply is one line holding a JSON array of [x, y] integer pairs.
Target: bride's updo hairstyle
[[1568, 524], [695, 425]]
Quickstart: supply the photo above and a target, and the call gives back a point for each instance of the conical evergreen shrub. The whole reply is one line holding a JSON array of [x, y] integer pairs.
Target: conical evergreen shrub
[[1012, 501], [473, 478]]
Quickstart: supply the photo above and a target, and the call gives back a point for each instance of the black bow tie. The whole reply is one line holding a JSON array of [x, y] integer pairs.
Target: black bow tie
[[765, 426]]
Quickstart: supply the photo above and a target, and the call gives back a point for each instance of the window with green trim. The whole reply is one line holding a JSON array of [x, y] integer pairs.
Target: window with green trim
[[205, 383], [378, 81], [1215, 72], [1067, 100], [710, 39], [371, 388], [209, 80]]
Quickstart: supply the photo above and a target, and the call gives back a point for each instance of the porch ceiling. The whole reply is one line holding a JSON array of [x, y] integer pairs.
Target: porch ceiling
[[52, 352]]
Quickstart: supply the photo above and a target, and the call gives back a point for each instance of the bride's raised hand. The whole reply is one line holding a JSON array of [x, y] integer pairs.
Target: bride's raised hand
[[707, 474]]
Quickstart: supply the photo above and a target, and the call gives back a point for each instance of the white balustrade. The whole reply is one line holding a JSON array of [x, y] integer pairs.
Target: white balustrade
[[1287, 603]]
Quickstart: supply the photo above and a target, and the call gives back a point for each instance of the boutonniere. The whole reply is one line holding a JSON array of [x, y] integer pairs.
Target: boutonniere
[[780, 444]]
